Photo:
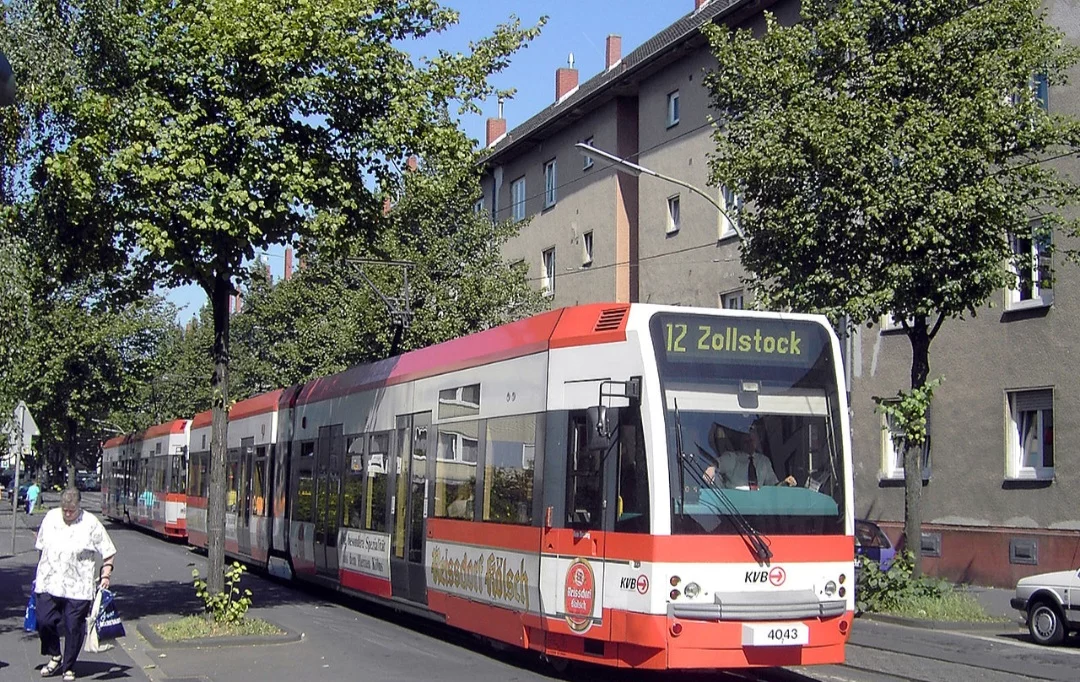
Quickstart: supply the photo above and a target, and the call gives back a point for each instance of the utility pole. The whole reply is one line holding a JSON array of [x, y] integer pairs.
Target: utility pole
[[27, 427]]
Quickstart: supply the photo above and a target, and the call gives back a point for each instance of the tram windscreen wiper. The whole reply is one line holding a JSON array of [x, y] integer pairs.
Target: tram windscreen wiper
[[681, 457]]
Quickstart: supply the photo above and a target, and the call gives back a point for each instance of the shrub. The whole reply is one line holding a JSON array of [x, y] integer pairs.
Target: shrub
[[230, 605], [878, 590]]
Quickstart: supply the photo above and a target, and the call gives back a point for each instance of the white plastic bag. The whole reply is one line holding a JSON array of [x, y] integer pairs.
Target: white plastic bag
[[92, 644]]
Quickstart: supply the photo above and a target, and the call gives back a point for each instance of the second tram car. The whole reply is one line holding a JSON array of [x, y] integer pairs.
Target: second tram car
[[144, 478]]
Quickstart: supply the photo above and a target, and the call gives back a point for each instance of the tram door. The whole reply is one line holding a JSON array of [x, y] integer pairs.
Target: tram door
[[243, 497], [409, 503], [328, 498]]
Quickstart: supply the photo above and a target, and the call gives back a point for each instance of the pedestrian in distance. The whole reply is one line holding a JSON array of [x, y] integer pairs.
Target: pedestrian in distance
[[69, 541], [32, 494]]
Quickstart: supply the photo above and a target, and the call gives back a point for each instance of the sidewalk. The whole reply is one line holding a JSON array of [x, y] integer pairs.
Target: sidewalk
[[20, 653], [338, 639]]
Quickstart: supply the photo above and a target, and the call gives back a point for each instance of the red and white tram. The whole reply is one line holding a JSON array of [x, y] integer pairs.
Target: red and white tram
[[571, 484], [144, 478]]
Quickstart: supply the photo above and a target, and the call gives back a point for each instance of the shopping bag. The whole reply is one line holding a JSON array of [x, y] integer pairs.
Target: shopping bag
[[92, 643], [109, 625], [30, 619]]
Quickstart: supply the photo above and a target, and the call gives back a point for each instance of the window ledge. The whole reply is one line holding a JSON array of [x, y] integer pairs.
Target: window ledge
[[1030, 304], [1041, 474], [672, 124]]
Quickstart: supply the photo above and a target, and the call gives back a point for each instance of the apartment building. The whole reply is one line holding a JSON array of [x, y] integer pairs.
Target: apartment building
[[1001, 472]]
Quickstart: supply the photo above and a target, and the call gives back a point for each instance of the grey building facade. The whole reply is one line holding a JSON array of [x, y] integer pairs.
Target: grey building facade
[[1001, 476]]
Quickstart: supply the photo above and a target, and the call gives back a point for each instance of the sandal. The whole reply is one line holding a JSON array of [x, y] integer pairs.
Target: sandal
[[50, 668], [69, 676]]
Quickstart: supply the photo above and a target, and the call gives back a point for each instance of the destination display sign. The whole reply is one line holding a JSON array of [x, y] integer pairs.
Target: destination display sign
[[739, 340]]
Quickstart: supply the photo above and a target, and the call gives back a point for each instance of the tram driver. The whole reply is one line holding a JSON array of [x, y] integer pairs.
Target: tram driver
[[746, 468]]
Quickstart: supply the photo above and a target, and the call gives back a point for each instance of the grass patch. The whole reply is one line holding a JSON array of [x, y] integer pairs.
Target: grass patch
[[950, 606], [199, 627]]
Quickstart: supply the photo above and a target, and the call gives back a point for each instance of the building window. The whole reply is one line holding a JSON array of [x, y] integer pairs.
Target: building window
[[478, 207], [588, 162], [517, 198], [729, 219], [551, 182], [673, 220], [1032, 267], [893, 443], [732, 300], [672, 108], [1041, 86], [890, 322], [549, 272], [586, 248], [1030, 440]]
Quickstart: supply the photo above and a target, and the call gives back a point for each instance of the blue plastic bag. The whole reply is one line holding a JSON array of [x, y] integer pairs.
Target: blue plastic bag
[[109, 625], [30, 619]]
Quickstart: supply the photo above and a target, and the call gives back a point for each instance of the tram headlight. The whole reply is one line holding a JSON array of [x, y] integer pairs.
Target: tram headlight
[[675, 580], [692, 590], [674, 595], [830, 588]]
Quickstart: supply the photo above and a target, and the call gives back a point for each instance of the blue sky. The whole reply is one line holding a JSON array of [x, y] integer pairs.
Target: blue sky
[[577, 26]]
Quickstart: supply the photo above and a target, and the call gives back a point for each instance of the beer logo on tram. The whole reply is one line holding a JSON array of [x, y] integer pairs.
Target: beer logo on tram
[[580, 595]]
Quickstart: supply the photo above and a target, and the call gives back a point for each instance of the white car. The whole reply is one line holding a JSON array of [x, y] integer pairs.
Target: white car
[[1052, 604]]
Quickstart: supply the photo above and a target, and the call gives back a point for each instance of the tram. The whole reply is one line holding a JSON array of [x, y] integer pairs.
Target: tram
[[570, 484], [144, 478]]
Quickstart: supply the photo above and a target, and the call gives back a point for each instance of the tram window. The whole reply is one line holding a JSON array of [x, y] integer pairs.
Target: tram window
[[353, 502], [584, 482], [455, 470], [463, 401], [375, 489], [509, 452], [305, 494], [258, 487], [197, 474], [632, 511], [232, 481]]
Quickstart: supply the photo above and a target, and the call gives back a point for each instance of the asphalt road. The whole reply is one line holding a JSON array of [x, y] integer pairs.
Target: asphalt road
[[349, 639]]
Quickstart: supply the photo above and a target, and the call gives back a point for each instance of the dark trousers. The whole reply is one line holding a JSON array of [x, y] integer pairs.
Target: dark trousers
[[59, 617]]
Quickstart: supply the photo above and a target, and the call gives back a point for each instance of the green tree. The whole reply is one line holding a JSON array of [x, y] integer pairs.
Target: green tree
[[84, 362], [888, 152], [15, 299], [220, 129], [329, 317]]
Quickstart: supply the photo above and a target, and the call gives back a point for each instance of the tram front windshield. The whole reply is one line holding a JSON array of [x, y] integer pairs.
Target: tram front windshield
[[754, 405]]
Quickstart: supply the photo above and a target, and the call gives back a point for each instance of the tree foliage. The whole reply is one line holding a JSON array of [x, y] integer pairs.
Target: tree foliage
[[218, 129], [889, 152]]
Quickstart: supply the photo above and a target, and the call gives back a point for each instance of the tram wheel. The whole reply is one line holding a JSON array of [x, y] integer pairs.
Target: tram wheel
[[559, 664]]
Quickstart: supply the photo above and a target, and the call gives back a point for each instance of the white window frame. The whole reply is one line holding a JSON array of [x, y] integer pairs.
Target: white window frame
[[551, 183], [478, 207], [517, 199], [674, 214], [587, 248], [673, 108], [892, 458], [1030, 410], [891, 323], [1041, 249], [732, 204], [737, 296], [547, 266], [587, 163]]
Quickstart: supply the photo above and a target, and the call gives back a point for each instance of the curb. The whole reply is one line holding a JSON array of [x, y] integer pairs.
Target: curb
[[155, 640], [1008, 627]]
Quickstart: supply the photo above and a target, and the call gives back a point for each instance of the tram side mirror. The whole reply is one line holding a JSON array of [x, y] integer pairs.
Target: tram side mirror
[[601, 425]]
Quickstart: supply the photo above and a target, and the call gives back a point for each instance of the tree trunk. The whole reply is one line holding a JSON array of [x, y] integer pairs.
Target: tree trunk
[[219, 386], [913, 479], [69, 470]]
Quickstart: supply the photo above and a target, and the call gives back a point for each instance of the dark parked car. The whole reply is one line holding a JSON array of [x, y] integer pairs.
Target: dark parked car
[[872, 543]]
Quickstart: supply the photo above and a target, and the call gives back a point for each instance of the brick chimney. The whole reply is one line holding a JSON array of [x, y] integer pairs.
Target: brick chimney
[[386, 206], [239, 302], [698, 4], [288, 263], [566, 79], [496, 127], [411, 163], [614, 50]]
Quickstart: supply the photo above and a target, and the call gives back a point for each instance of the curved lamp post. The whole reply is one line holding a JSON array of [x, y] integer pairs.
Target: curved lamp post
[[638, 170]]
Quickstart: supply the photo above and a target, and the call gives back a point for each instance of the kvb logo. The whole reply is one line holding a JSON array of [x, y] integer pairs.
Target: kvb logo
[[775, 576]]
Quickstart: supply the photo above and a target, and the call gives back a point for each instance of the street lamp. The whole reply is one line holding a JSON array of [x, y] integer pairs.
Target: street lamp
[[108, 426], [637, 170]]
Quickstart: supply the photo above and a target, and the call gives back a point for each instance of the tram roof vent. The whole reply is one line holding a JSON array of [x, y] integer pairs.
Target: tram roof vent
[[610, 319]]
